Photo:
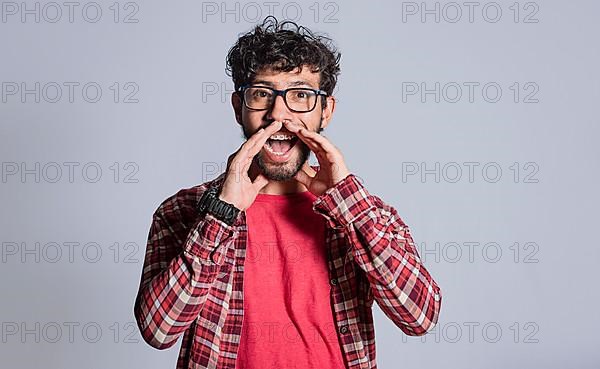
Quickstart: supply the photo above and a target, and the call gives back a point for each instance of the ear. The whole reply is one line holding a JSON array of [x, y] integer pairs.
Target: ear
[[236, 102], [328, 111]]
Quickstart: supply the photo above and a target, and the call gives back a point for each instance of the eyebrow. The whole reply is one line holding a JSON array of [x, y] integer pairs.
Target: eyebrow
[[294, 83]]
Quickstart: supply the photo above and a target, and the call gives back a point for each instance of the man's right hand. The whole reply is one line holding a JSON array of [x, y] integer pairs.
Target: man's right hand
[[238, 189]]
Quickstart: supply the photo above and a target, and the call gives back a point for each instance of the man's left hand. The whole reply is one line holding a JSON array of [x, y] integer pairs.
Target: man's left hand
[[332, 168]]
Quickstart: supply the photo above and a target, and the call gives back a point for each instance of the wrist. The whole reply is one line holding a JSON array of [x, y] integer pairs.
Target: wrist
[[229, 201], [211, 203]]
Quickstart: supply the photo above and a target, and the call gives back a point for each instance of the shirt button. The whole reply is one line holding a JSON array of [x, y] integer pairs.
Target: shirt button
[[214, 256], [344, 329], [333, 281]]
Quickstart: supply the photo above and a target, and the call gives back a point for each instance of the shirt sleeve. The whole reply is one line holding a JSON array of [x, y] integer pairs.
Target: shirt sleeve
[[179, 269], [382, 246]]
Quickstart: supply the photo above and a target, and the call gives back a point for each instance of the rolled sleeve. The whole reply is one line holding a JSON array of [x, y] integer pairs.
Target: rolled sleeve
[[209, 239], [344, 203]]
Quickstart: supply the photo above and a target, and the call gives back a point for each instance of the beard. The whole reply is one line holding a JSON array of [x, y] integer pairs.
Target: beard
[[282, 171]]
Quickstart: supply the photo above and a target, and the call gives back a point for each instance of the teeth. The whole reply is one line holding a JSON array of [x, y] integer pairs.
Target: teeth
[[281, 137], [273, 152]]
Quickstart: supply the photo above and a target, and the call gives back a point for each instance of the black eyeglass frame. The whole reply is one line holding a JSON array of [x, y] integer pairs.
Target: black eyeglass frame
[[282, 93]]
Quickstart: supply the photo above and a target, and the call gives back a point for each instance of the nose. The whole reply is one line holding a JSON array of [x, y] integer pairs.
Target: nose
[[279, 111]]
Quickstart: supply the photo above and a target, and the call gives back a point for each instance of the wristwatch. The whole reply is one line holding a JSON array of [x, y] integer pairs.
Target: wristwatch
[[210, 203]]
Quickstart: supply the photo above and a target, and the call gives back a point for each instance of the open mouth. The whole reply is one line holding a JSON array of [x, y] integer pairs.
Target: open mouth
[[280, 144]]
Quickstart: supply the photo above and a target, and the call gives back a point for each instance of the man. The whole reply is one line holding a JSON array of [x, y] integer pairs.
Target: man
[[276, 263]]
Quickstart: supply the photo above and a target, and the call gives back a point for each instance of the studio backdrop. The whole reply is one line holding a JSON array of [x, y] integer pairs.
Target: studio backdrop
[[477, 121]]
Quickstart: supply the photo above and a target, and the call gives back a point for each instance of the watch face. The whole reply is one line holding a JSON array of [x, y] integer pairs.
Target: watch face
[[210, 203], [202, 204]]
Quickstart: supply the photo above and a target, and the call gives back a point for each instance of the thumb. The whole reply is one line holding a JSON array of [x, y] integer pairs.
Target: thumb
[[230, 158], [259, 182], [303, 177]]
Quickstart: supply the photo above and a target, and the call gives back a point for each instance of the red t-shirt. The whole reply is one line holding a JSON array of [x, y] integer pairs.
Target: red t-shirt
[[288, 321]]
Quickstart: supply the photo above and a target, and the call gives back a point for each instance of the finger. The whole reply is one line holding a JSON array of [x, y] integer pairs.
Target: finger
[[292, 127], [233, 156], [246, 150], [321, 140], [247, 162], [250, 142], [233, 165], [310, 142], [315, 147], [259, 138], [303, 177], [238, 157], [328, 153], [264, 136]]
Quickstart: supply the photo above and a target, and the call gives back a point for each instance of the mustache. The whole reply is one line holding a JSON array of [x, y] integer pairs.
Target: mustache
[[267, 123], [246, 134]]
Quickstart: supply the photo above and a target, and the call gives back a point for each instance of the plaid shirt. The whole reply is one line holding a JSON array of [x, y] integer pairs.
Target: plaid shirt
[[191, 282]]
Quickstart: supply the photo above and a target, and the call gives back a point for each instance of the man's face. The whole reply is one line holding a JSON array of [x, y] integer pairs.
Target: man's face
[[280, 160]]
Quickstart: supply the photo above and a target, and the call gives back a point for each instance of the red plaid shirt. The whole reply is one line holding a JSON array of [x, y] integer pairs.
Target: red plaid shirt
[[191, 282]]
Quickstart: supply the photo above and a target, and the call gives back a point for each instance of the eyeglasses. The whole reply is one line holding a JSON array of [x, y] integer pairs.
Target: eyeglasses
[[297, 99]]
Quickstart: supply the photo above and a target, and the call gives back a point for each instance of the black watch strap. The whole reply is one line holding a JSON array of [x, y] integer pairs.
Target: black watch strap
[[210, 203]]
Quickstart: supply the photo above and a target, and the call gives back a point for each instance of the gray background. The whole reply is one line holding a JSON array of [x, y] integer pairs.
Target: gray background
[[525, 296]]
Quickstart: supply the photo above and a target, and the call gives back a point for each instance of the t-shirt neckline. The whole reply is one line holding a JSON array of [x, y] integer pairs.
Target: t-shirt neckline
[[288, 197]]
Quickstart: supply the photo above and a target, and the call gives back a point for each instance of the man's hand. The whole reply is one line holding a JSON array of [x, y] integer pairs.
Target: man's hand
[[331, 162], [238, 189]]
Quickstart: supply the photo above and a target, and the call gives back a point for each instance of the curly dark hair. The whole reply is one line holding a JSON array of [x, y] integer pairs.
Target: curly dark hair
[[283, 47]]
